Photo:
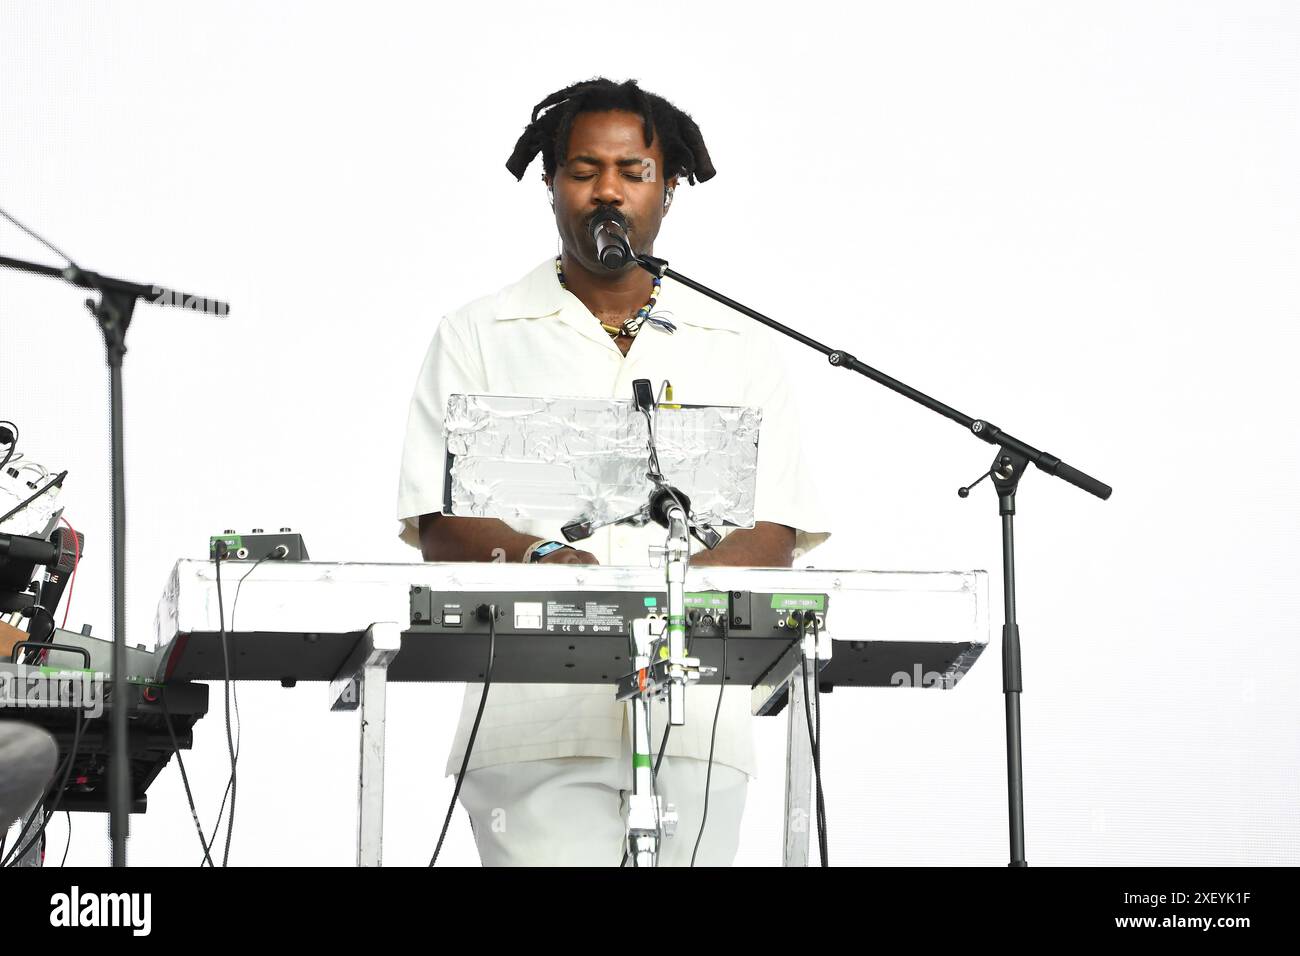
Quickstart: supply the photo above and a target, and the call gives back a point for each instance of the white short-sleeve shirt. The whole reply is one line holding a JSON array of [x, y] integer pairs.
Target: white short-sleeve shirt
[[536, 338]]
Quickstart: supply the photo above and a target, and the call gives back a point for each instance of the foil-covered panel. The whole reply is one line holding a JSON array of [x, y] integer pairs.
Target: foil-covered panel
[[569, 459]]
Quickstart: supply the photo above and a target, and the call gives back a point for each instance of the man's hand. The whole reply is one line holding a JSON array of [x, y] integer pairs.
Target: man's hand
[[766, 545], [449, 538]]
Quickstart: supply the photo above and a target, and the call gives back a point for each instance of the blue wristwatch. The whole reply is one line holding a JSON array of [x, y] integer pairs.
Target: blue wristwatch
[[539, 551]]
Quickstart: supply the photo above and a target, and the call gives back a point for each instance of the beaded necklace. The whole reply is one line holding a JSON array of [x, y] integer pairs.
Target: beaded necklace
[[632, 326]]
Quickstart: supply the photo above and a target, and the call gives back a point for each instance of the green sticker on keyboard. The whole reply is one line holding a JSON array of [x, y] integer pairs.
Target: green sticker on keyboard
[[799, 602], [707, 599]]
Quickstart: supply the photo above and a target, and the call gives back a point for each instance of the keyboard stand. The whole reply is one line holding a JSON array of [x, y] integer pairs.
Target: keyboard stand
[[301, 621], [362, 682]]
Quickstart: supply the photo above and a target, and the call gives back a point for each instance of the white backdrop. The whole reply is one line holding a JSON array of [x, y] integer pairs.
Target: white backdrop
[[1078, 220]]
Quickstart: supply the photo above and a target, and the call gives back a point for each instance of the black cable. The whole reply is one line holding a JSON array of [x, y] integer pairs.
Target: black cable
[[713, 737], [13, 445], [218, 555], [654, 452], [469, 745], [816, 755], [654, 792], [234, 609], [32, 655], [185, 779], [812, 743], [221, 811], [15, 854], [823, 831], [43, 241], [56, 480], [663, 743], [234, 691], [67, 846], [811, 695], [216, 829]]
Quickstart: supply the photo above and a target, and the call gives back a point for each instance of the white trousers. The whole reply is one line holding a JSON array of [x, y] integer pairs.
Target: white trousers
[[571, 811]]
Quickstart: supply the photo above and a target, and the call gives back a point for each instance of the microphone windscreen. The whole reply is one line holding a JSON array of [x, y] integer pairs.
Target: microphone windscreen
[[608, 214]]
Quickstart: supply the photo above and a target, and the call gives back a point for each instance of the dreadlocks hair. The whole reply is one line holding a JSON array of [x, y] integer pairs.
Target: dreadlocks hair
[[548, 132]]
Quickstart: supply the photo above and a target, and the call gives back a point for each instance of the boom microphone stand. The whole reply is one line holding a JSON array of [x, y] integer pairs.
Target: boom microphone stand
[[1008, 466]]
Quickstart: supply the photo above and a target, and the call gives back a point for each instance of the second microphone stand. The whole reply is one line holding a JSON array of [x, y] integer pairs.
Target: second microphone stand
[[113, 311]]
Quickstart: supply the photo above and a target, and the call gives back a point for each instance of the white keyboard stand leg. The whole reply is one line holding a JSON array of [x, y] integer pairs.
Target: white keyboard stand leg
[[32, 821], [363, 682], [800, 810], [799, 816], [646, 826]]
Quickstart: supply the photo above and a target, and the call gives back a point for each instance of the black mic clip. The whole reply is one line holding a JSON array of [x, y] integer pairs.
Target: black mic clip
[[1005, 472]]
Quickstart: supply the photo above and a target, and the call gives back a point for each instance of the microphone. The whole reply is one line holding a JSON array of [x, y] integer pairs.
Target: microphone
[[20, 547], [18, 555], [609, 231], [70, 545], [57, 573]]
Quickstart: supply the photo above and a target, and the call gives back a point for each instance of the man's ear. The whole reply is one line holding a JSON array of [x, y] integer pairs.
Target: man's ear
[[669, 185]]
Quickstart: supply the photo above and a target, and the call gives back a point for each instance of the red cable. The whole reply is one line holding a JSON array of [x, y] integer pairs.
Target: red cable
[[76, 560]]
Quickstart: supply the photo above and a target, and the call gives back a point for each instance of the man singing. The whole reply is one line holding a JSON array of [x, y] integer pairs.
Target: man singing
[[550, 771]]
